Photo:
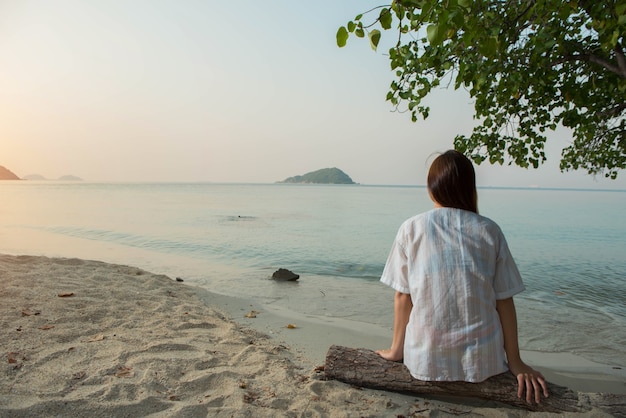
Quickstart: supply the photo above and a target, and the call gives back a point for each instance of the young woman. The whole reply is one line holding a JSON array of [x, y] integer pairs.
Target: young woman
[[455, 278]]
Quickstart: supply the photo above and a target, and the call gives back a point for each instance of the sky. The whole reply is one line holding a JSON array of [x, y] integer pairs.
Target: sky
[[216, 91]]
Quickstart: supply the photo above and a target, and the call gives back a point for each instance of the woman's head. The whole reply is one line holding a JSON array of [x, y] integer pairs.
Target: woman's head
[[452, 181]]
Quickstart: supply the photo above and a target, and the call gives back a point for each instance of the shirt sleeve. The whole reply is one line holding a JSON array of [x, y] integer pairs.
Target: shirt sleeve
[[396, 272], [508, 280]]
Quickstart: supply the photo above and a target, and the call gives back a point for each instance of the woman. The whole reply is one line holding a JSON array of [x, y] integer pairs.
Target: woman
[[454, 316]]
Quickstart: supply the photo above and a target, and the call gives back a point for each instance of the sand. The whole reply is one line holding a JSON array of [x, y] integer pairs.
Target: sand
[[87, 338]]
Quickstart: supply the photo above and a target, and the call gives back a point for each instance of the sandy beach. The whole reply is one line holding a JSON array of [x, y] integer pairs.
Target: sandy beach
[[87, 338]]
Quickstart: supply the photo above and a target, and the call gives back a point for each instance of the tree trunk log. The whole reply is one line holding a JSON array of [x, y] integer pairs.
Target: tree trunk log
[[364, 368]]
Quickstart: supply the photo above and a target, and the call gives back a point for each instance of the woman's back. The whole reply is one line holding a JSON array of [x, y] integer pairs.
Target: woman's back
[[454, 315], [456, 265]]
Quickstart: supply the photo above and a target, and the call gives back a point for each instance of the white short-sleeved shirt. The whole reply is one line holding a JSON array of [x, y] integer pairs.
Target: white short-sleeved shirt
[[455, 264]]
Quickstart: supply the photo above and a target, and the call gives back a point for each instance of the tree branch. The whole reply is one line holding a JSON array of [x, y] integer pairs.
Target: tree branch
[[589, 57], [621, 60], [614, 112]]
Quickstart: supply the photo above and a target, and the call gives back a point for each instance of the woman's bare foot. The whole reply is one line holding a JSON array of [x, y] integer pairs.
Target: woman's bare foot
[[390, 355]]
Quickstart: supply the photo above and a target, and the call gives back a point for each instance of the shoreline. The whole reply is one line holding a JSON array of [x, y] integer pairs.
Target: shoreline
[[313, 335], [83, 337]]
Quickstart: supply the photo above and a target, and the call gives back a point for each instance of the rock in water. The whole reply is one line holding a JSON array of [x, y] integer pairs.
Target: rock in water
[[285, 275]]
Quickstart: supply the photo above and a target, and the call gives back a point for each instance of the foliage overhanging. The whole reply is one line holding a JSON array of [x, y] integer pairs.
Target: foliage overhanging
[[528, 65]]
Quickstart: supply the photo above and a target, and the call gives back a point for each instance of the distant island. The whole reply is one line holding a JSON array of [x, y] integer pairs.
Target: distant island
[[6, 174], [323, 176]]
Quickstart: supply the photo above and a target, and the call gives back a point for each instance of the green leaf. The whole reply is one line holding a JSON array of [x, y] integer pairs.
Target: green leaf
[[432, 33], [466, 4], [342, 37], [615, 37], [351, 26], [359, 32], [489, 46], [374, 36], [385, 18], [436, 33]]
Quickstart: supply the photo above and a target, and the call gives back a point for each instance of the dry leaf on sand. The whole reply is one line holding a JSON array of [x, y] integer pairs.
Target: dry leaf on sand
[[65, 294], [13, 357], [29, 312], [46, 327], [125, 372]]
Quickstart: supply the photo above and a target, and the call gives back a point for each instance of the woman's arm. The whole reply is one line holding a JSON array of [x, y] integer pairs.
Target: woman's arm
[[528, 379], [402, 306]]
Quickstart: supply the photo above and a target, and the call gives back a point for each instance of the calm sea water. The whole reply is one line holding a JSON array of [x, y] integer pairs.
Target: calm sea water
[[570, 246]]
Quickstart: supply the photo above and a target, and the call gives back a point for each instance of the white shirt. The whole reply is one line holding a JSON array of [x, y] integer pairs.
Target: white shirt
[[455, 264]]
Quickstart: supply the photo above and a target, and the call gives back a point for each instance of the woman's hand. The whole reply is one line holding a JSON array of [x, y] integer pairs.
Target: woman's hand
[[530, 381]]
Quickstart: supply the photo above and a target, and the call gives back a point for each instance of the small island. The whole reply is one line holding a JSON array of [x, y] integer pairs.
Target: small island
[[323, 176], [6, 174]]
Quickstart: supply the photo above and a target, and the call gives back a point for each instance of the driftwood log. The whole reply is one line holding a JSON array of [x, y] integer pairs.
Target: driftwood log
[[364, 368]]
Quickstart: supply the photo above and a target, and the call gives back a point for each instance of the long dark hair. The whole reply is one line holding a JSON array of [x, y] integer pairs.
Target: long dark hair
[[452, 181]]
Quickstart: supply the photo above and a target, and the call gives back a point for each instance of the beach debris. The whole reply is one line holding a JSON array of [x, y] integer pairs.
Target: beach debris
[[12, 357], [178, 279], [284, 275], [291, 326], [65, 294], [252, 314], [79, 375], [95, 338], [125, 371], [250, 397], [29, 312], [237, 218], [46, 327]]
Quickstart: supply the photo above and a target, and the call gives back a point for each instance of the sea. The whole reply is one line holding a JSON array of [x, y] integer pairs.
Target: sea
[[570, 246]]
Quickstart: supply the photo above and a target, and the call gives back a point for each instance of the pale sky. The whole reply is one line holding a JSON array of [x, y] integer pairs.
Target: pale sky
[[245, 91]]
